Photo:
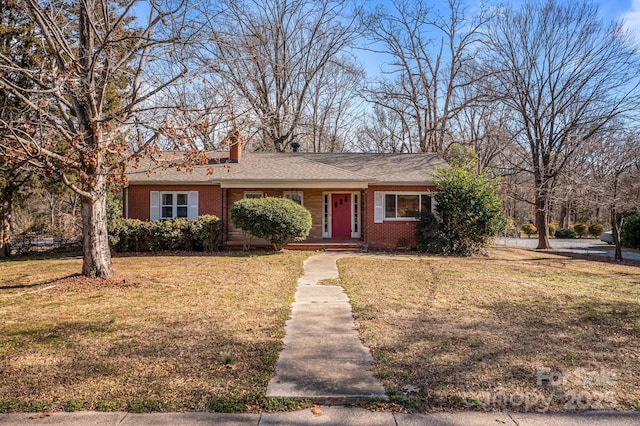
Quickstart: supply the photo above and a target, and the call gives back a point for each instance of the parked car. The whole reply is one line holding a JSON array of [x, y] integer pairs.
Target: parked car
[[607, 237]]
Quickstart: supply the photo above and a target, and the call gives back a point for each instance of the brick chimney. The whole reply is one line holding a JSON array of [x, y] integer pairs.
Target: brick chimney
[[235, 146]]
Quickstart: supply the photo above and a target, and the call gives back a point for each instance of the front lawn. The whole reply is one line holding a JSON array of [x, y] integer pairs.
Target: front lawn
[[166, 333], [451, 333]]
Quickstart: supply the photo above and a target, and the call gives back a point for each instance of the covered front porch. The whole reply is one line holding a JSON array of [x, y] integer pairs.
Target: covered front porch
[[337, 215]]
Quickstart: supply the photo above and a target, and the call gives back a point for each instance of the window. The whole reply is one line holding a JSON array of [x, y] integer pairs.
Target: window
[[170, 205], [404, 205], [326, 220], [294, 196], [174, 205], [253, 194]]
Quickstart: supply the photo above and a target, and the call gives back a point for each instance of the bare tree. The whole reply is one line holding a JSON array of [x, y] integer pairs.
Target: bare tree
[[383, 131], [431, 54], [271, 52], [564, 75], [481, 125], [615, 169], [332, 108], [95, 98]]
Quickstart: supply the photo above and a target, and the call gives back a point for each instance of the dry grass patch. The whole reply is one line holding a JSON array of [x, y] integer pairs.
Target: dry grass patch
[[166, 333], [450, 333]]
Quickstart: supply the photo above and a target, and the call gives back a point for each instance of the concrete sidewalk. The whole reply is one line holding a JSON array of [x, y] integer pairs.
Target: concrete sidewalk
[[323, 359], [328, 416]]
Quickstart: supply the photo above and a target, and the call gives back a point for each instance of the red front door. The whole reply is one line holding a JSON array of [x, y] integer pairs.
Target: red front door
[[340, 215]]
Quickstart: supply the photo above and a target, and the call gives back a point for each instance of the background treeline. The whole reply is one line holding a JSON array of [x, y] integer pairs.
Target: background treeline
[[543, 94]]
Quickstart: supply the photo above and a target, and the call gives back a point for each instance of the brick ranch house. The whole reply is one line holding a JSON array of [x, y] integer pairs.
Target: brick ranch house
[[367, 199]]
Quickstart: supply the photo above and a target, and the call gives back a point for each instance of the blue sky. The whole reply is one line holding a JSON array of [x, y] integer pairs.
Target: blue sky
[[629, 10], [626, 10]]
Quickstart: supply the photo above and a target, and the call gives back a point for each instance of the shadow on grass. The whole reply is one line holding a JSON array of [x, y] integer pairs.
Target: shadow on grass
[[35, 285], [52, 255], [593, 257], [461, 362], [169, 366], [227, 253]]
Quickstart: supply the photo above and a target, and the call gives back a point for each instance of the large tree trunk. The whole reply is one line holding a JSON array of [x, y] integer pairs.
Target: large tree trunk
[[542, 223], [96, 261]]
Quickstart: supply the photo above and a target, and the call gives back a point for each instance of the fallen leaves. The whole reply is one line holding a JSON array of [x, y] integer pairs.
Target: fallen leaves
[[40, 416]]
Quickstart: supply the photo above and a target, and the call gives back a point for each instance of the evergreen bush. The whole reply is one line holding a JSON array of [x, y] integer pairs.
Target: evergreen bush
[[277, 220], [564, 233], [630, 232], [468, 214], [133, 235]]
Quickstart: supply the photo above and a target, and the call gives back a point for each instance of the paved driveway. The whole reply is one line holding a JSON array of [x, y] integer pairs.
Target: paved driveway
[[589, 246]]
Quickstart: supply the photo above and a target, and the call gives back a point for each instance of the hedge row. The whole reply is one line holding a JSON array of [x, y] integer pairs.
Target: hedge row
[[133, 235]]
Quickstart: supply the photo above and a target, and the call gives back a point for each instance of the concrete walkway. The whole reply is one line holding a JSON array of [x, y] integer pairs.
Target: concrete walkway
[[323, 359], [338, 416]]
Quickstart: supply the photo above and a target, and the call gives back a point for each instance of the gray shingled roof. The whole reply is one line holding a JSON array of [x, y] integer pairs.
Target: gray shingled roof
[[294, 167], [385, 168]]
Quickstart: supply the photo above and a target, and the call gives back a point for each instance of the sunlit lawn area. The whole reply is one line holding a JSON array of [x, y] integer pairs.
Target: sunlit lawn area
[[167, 333], [479, 332], [172, 333]]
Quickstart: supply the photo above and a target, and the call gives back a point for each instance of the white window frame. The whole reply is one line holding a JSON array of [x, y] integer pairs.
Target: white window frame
[[174, 204], [380, 198], [253, 194], [289, 194], [156, 205]]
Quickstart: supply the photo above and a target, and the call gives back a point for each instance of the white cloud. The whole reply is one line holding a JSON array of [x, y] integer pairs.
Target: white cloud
[[632, 20]]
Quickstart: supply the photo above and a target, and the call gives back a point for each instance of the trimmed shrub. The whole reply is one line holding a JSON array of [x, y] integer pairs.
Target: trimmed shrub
[[529, 229], [595, 230], [469, 214], [132, 235], [564, 233], [206, 233], [277, 220], [630, 232], [580, 229], [169, 235], [127, 235], [552, 227]]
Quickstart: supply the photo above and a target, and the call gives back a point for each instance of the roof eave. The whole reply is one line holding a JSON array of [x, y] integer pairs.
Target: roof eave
[[315, 184]]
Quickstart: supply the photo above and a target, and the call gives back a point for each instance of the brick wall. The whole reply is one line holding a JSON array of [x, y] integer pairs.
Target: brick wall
[[386, 235], [139, 198], [210, 198]]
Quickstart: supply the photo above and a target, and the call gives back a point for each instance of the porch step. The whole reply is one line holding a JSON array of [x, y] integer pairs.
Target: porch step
[[317, 245], [329, 247]]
